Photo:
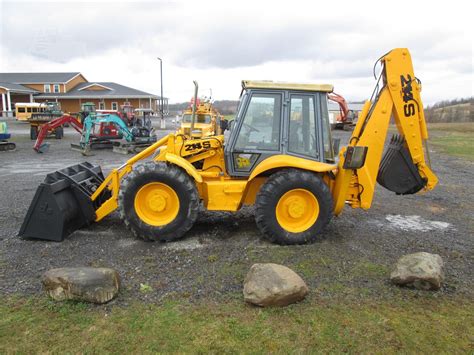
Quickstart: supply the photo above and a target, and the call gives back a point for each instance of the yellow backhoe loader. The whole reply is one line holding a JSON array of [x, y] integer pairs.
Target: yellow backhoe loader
[[279, 157], [201, 119]]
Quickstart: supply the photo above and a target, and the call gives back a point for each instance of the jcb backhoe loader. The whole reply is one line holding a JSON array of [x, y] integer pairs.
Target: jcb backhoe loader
[[279, 157]]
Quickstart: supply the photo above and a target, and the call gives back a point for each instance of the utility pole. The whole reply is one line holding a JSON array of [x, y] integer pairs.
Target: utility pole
[[162, 123]]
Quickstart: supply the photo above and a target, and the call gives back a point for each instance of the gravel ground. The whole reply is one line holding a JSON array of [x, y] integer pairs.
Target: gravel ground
[[352, 259]]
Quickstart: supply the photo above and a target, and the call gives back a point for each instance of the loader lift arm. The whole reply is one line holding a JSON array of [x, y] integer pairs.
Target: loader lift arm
[[399, 97], [55, 123]]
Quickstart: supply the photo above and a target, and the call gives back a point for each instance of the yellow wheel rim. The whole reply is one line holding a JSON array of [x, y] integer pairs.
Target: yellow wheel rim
[[156, 204], [297, 210]]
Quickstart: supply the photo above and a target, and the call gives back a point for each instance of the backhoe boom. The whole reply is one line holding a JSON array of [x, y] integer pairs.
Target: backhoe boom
[[404, 168]]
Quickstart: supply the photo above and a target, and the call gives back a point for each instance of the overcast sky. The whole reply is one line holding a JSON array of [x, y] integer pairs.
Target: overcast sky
[[220, 44]]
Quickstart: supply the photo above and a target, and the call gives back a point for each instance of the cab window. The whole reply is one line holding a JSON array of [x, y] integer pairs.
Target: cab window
[[302, 126], [200, 118], [327, 139], [260, 129]]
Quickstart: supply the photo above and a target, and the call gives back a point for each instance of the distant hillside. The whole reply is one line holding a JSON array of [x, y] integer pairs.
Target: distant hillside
[[225, 107], [458, 110]]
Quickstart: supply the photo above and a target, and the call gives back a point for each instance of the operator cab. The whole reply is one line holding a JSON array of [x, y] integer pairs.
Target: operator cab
[[52, 106], [279, 118]]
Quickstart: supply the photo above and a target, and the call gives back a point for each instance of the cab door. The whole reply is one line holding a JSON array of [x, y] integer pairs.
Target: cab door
[[303, 131], [258, 132]]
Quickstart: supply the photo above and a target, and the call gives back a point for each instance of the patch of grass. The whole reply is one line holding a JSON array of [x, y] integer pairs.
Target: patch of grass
[[35, 325], [367, 268], [144, 288], [454, 138], [212, 258], [462, 127], [459, 144]]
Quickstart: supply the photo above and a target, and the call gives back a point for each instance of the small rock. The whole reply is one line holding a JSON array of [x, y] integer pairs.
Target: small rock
[[422, 271], [89, 284], [273, 285]]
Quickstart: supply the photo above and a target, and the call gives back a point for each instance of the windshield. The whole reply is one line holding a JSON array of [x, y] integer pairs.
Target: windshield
[[241, 104], [199, 118]]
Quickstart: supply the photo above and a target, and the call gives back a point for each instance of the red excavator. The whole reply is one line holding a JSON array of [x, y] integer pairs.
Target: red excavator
[[345, 119], [50, 126]]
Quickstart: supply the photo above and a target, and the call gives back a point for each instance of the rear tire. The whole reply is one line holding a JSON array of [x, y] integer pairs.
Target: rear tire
[[293, 207], [158, 202], [33, 133]]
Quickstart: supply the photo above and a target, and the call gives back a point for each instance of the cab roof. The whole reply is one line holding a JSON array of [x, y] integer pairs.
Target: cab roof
[[269, 84]]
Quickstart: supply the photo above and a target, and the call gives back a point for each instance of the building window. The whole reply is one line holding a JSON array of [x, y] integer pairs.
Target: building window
[[56, 87], [47, 88], [102, 105], [114, 106]]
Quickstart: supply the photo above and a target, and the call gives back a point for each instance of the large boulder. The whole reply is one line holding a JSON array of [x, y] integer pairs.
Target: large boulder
[[96, 285], [422, 270], [273, 285]]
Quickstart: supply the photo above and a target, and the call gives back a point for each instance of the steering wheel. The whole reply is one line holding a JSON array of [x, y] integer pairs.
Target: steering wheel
[[251, 128]]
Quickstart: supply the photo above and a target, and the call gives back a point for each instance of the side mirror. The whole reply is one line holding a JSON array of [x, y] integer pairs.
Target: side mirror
[[230, 125], [224, 124], [355, 157]]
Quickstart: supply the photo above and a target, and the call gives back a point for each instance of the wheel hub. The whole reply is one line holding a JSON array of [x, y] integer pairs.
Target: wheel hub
[[297, 210], [296, 207], [156, 204]]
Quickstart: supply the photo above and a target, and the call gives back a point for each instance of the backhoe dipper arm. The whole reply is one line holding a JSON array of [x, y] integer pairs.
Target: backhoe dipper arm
[[57, 122], [342, 104], [122, 127], [96, 119], [403, 169]]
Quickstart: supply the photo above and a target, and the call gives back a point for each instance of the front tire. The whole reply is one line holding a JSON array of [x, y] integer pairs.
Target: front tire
[[293, 207], [158, 202]]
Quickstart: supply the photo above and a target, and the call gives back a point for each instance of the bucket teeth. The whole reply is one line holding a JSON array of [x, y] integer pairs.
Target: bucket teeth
[[397, 172]]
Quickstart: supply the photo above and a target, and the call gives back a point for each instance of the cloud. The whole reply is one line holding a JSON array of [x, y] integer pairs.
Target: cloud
[[221, 44]]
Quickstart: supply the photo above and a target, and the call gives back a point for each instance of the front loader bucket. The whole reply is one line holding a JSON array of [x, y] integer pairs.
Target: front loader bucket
[[397, 172], [62, 203]]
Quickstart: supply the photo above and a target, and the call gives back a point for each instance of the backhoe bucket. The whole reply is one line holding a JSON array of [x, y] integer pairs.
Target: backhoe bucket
[[43, 148], [62, 203], [397, 172]]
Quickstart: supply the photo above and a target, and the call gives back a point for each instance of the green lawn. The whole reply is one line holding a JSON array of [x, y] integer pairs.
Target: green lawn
[[456, 139], [418, 325]]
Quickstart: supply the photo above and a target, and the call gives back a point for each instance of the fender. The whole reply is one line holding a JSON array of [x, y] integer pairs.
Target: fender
[[183, 163], [287, 161]]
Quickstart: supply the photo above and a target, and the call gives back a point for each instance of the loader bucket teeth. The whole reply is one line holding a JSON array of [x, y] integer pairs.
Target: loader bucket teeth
[[397, 172], [62, 203]]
